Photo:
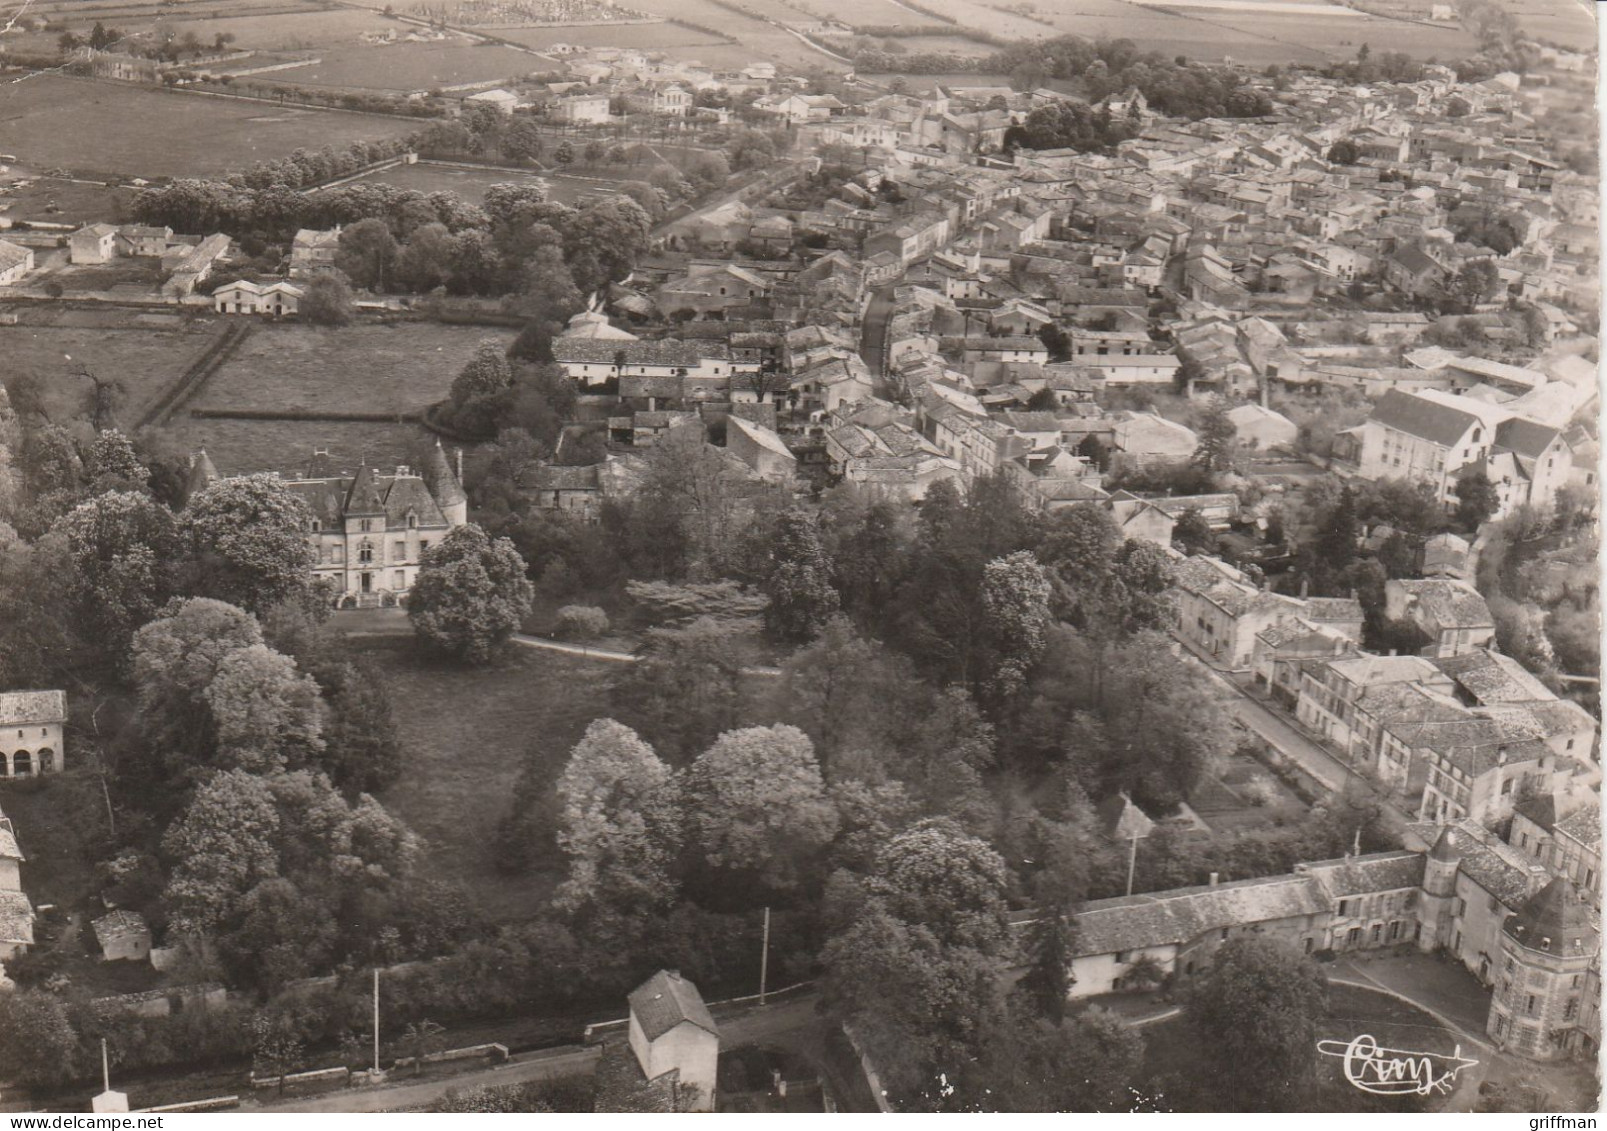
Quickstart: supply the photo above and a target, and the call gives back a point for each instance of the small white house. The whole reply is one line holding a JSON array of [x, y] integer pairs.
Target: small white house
[[1262, 427], [504, 100], [94, 243], [245, 297], [123, 936], [15, 262], [671, 1030]]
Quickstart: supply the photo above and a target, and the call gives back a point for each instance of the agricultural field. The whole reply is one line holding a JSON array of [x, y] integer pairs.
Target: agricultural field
[[414, 66], [240, 447], [985, 17], [871, 13], [305, 30], [465, 734], [938, 44], [57, 200], [642, 37], [118, 129], [368, 368], [756, 40], [147, 360], [1341, 38]]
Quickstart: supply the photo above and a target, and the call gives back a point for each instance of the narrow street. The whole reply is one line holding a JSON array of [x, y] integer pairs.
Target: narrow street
[[873, 331], [792, 1023], [1286, 738]]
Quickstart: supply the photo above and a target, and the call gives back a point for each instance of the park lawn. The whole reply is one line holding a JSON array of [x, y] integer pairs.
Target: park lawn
[[465, 735], [120, 129], [470, 184], [1172, 1050], [147, 361], [394, 368]]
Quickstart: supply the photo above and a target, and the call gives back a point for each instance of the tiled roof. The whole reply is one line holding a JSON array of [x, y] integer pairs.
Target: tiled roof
[[1133, 922], [1493, 865], [1452, 604], [1491, 677], [1525, 437], [1358, 875], [16, 918], [666, 1000], [669, 351], [117, 924], [32, 707], [1331, 610], [1556, 921], [1584, 825], [11, 255], [1437, 423]]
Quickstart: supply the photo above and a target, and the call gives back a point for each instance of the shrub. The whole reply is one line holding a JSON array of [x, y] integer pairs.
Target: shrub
[[581, 622]]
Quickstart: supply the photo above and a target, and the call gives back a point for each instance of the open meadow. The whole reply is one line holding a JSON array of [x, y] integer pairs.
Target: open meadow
[[113, 128], [642, 37], [147, 360], [757, 40], [242, 447], [415, 66], [24, 195], [870, 13], [465, 735], [305, 30], [366, 368]]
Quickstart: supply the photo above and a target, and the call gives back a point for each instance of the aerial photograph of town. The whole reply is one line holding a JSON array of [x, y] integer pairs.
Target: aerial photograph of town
[[799, 556]]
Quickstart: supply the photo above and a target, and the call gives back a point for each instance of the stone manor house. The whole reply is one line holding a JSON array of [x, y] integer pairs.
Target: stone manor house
[[1523, 929], [370, 529]]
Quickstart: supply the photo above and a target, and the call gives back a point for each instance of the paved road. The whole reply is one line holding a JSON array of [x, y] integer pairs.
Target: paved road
[[752, 1025], [398, 1097]]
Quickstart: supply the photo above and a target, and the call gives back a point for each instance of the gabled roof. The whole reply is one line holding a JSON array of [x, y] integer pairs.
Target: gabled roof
[[1525, 437], [666, 1000], [1416, 416]]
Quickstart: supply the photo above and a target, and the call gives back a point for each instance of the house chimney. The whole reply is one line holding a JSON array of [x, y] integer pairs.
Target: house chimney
[[1214, 876], [459, 453], [1392, 651], [1305, 587]]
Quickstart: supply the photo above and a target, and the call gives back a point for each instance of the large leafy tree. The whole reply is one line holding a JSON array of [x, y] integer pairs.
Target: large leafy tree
[[1476, 500], [799, 583], [617, 822], [247, 537], [222, 846], [1255, 1014], [686, 688], [756, 805], [266, 713], [121, 548], [176, 658], [1084, 1063], [1015, 607], [471, 595], [1217, 439]]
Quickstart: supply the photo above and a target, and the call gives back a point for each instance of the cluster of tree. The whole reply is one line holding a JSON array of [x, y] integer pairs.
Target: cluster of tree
[[405, 239], [1366, 67], [305, 168], [1174, 87], [1071, 125]]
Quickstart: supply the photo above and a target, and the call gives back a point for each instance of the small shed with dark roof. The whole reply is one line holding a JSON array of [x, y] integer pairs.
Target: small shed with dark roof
[[671, 1030]]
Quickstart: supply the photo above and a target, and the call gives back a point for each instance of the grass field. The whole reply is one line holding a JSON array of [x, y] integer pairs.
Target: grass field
[[946, 44], [117, 128], [59, 201], [1171, 1049], [644, 37], [147, 361], [974, 14], [240, 447], [471, 184], [307, 29], [356, 369], [465, 735], [414, 66], [756, 40], [1340, 38], [871, 13]]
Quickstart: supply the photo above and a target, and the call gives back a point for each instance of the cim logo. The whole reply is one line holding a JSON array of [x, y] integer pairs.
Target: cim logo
[[1396, 1072]]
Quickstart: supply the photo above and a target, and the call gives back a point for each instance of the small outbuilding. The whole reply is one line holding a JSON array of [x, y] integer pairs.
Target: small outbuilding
[[123, 936]]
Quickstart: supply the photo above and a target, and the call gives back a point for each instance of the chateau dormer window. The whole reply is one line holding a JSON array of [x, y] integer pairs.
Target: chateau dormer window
[[316, 526], [412, 521]]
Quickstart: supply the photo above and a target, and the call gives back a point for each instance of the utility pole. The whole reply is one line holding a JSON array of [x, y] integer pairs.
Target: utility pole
[[105, 1068], [764, 956], [1132, 864], [376, 1021]]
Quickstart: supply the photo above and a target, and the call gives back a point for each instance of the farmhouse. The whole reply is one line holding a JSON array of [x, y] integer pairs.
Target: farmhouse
[[312, 251], [582, 109], [15, 262], [94, 243], [191, 265], [31, 732], [245, 297], [761, 449], [593, 361]]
